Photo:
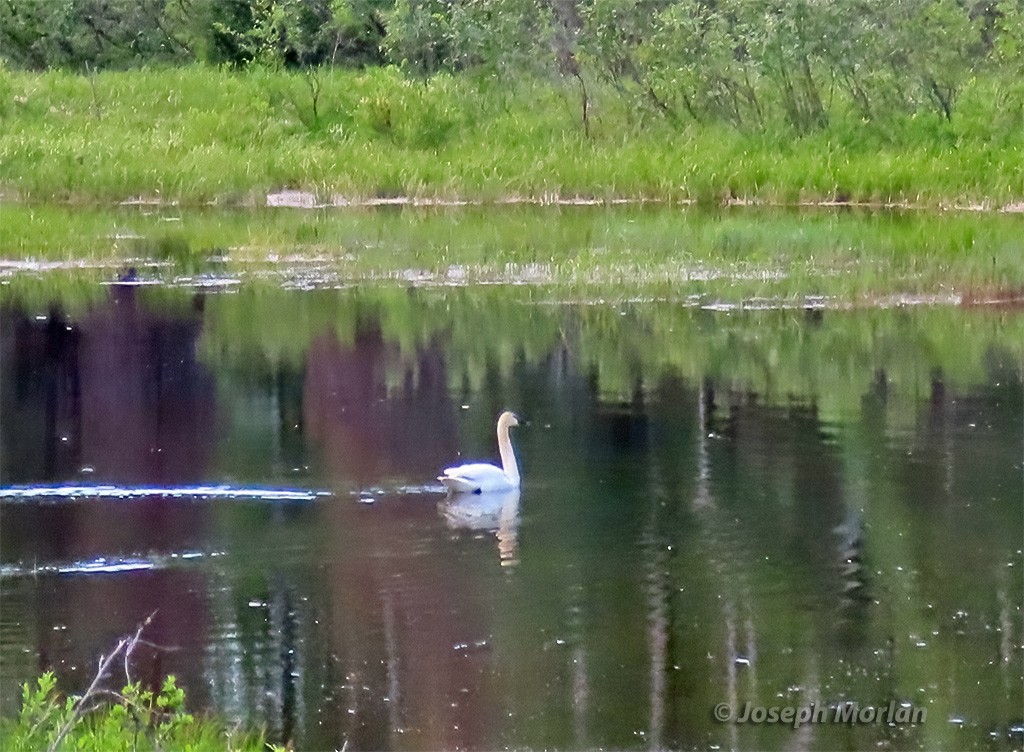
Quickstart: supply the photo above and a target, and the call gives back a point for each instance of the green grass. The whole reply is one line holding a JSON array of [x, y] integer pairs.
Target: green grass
[[198, 134], [852, 256]]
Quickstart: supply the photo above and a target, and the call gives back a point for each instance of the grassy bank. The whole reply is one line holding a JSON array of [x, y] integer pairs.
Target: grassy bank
[[198, 134], [851, 257]]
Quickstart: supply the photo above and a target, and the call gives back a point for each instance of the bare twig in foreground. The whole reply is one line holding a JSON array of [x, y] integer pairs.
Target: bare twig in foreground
[[125, 645]]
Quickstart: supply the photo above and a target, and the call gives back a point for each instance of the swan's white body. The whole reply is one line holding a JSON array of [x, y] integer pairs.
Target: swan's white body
[[482, 477]]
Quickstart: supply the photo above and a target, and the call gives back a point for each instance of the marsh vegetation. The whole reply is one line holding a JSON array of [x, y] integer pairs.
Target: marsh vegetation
[[775, 448], [918, 103]]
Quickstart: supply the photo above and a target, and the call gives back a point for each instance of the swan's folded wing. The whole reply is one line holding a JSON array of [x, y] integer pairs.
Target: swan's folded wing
[[474, 476], [479, 471]]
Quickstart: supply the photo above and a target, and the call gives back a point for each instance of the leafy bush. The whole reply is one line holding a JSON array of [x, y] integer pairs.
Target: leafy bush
[[133, 719], [102, 720], [750, 64]]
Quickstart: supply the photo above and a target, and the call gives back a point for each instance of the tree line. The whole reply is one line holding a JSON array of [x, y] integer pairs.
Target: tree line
[[741, 62]]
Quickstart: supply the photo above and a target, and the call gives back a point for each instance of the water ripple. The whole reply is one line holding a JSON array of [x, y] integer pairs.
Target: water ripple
[[71, 492], [104, 564]]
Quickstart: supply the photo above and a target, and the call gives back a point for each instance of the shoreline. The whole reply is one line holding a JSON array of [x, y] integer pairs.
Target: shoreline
[[747, 253], [309, 200], [280, 272]]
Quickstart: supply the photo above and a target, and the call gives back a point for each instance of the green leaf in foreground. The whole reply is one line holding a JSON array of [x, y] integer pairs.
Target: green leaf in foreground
[[136, 718]]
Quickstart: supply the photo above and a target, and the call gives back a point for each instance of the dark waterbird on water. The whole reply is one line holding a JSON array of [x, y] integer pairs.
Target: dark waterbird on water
[[129, 275]]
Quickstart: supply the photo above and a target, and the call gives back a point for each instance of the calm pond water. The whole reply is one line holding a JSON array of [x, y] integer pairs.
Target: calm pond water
[[778, 507]]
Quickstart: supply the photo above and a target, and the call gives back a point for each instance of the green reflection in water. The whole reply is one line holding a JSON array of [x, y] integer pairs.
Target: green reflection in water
[[827, 357]]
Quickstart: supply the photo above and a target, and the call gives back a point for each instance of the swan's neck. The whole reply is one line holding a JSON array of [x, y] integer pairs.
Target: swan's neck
[[508, 456]]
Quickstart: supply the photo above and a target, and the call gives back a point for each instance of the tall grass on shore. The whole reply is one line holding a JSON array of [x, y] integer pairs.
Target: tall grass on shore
[[198, 134]]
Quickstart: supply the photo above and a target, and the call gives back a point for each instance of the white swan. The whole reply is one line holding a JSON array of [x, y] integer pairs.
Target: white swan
[[478, 477]]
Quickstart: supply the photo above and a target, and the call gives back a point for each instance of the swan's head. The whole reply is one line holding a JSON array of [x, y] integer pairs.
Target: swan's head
[[508, 419]]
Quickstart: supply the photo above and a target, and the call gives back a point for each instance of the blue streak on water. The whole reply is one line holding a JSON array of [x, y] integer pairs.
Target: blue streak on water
[[73, 492], [105, 565]]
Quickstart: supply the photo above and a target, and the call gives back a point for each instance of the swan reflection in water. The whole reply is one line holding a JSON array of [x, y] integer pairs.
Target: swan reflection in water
[[490, 511]]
